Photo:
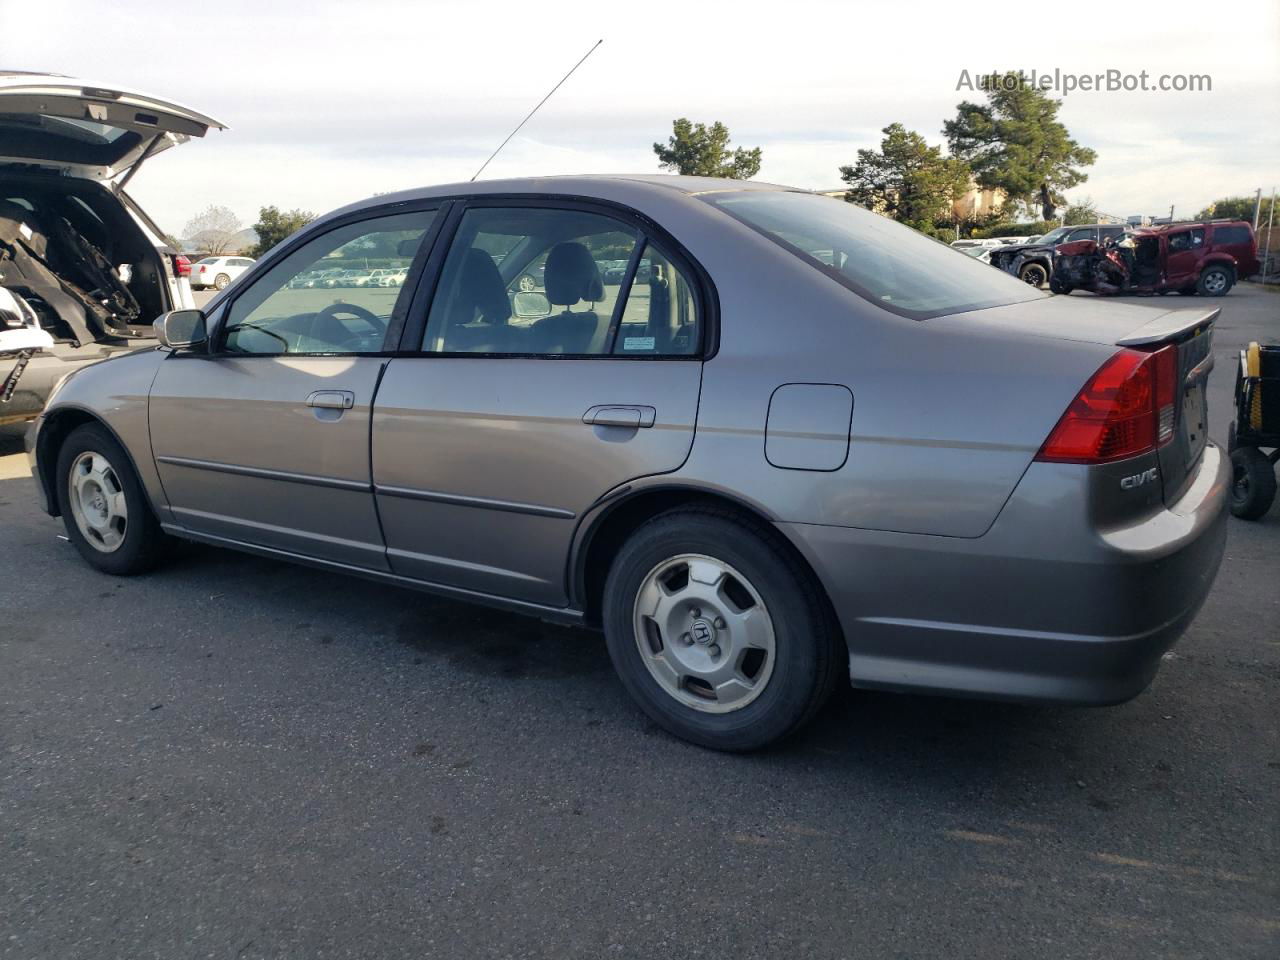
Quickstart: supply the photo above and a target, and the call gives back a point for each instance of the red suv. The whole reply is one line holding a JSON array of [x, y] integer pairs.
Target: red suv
[[1205, 257]]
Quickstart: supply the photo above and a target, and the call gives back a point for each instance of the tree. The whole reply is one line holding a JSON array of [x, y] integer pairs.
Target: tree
[[213, 230], [1016, 143], [274, 225], [1082, 211], [1236, 208], [906, 179], [694, 149]]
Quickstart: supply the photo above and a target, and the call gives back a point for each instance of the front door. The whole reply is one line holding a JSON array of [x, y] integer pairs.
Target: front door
[[265, 439], [560, 359]]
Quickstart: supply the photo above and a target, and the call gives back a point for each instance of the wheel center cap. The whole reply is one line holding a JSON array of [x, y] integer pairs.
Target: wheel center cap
[[702, 631]]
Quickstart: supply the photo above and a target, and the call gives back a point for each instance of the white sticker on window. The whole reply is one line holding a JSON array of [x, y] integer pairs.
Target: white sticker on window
[[638, 343]]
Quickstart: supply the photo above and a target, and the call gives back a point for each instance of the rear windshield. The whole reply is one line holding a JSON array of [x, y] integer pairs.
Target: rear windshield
[[887, 263]]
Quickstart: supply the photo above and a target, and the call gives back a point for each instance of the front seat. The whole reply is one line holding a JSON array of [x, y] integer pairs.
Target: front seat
[[571, 276]]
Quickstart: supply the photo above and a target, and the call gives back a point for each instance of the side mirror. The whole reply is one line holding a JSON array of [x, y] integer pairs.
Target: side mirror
[[529, 303], [181, 329]]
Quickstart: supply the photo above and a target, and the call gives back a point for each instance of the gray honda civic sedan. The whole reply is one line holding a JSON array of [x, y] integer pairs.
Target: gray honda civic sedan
[[791, 442]]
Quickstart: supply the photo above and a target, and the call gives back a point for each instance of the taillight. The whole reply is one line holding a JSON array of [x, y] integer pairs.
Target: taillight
[[1126, 409], [181, 266]]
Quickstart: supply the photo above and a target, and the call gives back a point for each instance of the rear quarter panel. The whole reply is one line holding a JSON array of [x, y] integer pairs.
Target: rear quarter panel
[[946, 414]]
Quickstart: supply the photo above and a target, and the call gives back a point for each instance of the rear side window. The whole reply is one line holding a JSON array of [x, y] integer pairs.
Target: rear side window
[[529, 281], [1230, 235], [661, 313], [887, 263]]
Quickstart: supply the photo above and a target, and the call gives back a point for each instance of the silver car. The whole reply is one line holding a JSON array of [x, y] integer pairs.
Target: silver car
[[806, 443]]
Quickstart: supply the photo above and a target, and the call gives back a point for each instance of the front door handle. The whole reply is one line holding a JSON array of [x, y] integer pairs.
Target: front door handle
[[613, 415], [332, 399]]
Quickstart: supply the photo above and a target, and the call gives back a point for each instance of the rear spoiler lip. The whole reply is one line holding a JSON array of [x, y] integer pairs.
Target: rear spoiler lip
[[1171, 326]]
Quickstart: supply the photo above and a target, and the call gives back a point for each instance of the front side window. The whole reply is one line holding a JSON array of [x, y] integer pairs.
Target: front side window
[[884, 262], [531, 282], [1179, 242], [324, 297]]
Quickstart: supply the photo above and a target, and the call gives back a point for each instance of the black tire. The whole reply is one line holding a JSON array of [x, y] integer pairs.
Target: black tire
[[1058, 287], [809, 657], [221, 281], [1187, 292], [1215, 281], [1034, 274], [1231, 438], [144, 544], [1253, 483]]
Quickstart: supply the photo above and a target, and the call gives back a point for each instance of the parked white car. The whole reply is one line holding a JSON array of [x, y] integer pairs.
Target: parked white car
[[217, 272]]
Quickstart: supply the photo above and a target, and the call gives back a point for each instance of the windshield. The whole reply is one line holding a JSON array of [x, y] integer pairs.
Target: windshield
[[1053, 236], [881, 260]]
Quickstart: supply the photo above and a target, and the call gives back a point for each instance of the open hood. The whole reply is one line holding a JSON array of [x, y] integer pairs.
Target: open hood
[[87, 130]]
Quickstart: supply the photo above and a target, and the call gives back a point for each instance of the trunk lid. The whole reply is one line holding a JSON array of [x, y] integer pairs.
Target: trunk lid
[[1136, 326], [85, 129]]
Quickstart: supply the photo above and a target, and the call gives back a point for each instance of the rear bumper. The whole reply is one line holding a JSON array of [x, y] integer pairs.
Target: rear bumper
[[1047, 606]]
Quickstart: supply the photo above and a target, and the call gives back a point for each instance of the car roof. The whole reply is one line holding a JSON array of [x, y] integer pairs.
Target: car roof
[[601, 186], [1156, 228]]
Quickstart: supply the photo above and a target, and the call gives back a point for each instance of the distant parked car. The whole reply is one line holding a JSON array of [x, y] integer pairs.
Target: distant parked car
[[1033, 262], [217, 272], [1204, 257]]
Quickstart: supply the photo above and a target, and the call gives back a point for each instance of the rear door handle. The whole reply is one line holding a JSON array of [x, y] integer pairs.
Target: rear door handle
[[332, 399], [613, 415]]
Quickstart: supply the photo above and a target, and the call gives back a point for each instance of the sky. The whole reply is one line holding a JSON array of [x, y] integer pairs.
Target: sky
[[327, 103]]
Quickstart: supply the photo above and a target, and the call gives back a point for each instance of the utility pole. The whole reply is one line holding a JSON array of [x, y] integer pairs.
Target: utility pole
[[1171, 213], [1270, 220], [1257, 207]]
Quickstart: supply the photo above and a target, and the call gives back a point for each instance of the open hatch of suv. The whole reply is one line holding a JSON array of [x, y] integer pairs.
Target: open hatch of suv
[[74, 247]]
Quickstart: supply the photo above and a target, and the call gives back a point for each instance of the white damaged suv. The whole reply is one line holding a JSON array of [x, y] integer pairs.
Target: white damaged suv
[[90, 265]]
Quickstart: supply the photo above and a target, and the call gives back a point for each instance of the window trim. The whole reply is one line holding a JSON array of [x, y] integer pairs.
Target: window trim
[[399, 310], [708, 304]]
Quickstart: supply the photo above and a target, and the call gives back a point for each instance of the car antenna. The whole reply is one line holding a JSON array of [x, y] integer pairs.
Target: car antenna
[[535, 109]]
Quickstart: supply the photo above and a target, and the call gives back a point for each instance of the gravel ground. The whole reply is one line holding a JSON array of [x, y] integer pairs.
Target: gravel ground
[[240, 758]]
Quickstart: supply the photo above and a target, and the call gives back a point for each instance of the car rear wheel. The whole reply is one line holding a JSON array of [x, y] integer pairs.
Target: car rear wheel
[[718, 635], [1215, 282], [527, 284], [1034, 274], [1253, 483], [103, 506], [221, 281]]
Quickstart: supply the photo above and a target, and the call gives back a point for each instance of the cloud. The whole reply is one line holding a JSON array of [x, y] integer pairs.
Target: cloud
[[330, 102]]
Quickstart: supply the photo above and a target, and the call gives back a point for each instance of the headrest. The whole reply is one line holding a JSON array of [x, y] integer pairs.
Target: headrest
[[571, 275], [481, 288]]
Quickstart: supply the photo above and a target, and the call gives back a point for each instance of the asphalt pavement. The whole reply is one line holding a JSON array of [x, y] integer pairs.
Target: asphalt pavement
[[239, 758]]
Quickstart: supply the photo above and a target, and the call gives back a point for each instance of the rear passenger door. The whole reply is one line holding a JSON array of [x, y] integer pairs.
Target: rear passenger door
[[1184, 250], [532, 380]]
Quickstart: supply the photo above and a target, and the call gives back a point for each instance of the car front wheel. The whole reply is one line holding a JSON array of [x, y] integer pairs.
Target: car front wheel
[[1034, 274], [103, 506], [717, 633], [221, 281]]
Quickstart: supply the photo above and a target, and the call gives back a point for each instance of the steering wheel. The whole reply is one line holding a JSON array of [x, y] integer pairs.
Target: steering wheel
[[328, 316]]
